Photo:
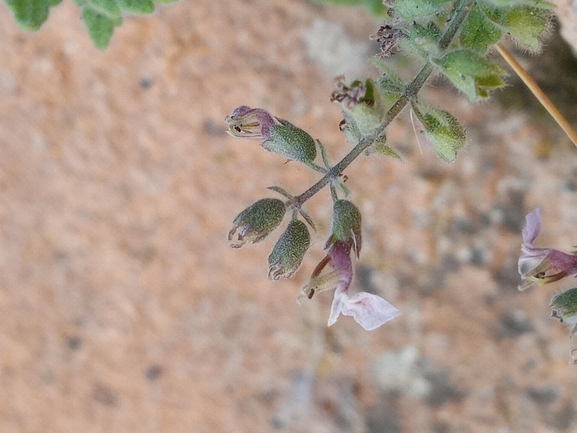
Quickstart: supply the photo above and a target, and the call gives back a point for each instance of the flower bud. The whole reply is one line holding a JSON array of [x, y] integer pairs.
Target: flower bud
[[291, 142], [252, 123], [277, 135], [442, 130], [564, 307], [256, 222], [346, 225], [287, 254]]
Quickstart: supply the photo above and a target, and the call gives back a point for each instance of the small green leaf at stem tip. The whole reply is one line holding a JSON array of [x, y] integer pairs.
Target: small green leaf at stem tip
[[100, 27], [29, 14]]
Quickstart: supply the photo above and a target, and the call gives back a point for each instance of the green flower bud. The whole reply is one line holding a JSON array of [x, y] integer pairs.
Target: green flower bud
[[256, 222], [291, 142], [442, 130], [346, 225], [564, 307], [287, 255]]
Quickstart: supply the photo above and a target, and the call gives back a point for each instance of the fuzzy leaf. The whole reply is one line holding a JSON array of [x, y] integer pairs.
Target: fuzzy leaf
[[442, 130], [136, 6], [524, 23], [412, 9], [541, 4], [100, 26], [421, 41], [106, 7], [30, 14], [386, 150], [375, 7], [478, 31], [472, 74]]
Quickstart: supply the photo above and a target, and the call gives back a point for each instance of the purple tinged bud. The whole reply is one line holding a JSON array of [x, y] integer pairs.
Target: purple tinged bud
[[564, 307], [277, 135], [346, 226], [287, 254], [256, 222], [252, 123], [541, 265]]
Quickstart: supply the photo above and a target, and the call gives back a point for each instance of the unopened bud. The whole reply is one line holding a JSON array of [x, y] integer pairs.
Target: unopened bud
[[564, 307], [287, 254], [291, 142], [346, 225], [442, 130], [256, 222]]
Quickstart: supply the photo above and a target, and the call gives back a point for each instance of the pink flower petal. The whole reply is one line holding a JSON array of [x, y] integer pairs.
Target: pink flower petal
[[532, 227], [370, 311]]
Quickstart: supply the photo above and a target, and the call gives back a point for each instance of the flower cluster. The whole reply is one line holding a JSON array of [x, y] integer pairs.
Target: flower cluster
[[260, 219]]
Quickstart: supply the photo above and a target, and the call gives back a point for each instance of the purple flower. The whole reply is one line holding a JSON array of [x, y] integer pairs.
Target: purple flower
[[542, 265], [370, 311]]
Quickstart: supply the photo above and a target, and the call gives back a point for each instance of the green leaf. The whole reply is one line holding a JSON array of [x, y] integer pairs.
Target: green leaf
[[106, 7], [422, 41], [524, 23], [386, 150], [442, 130], [541, 4], [281, 191], [412, 9], [136, 6], [472, 74], [375, 7], [100, 26], [29, 14], [478, 31]]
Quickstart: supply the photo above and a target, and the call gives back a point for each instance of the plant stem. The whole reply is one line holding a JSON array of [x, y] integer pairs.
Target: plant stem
[[410, 92], [534, 88]]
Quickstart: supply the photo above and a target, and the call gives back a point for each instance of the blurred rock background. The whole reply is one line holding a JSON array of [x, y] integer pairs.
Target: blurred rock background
[[122, 308]]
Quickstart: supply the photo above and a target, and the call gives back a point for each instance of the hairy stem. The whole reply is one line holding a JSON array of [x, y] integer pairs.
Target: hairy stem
[[461, 10], [536, 90]]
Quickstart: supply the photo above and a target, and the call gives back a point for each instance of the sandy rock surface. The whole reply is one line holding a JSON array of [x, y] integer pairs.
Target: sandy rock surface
[[122, 308]]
